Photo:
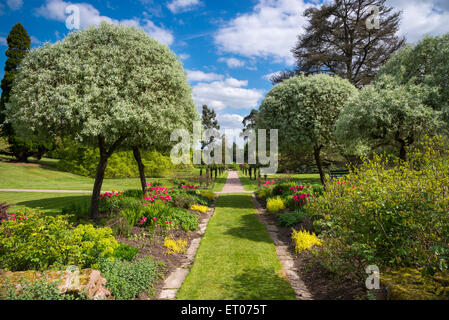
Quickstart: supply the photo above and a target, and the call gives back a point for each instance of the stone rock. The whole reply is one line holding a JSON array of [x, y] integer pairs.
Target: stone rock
[[88, 281]]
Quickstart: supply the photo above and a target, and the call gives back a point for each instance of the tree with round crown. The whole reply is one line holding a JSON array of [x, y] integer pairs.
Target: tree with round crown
[[110, 87]]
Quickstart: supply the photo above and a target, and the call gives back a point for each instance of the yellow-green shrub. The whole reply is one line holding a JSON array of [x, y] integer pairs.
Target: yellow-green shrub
[[304, 240], [388, 214], [275, 205], [202, 209], [40, 242], [209, 195], [175, 246]]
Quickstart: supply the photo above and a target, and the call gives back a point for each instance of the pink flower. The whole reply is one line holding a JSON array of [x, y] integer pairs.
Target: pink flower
[[154, 219]]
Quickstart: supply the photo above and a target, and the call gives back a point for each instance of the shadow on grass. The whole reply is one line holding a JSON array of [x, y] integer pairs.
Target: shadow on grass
[[250, 229], [54, 205], [259, 284]]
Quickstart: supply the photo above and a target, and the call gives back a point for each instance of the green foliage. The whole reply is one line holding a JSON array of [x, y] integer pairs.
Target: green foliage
[[31, 240], [304, 240], [264, 193], [386, 114], [426, 65], [274, 205], [132, 215], [125, 252], [127, 280], [387, 215], [79, 210], [178, 217], [36, 290], [318, 189], [137, 194], [83, 161], [290, 219]]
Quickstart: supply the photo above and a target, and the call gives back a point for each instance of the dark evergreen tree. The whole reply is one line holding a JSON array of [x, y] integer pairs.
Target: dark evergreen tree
[[338, 41], [19, 43]]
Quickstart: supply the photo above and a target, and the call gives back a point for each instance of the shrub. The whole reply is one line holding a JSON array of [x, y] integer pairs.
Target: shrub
[[36, 290], [125, 252], [289, 219], [304, 240], [184, 202], [170, 217], [202, 209], [208, 195], [4, 211], [127, 280], [34, 241], [80, 210], [283, 187], [274, 205], [263, 193], [137, 194], [175, 246], [132, 215], [389, 215], [318, 189]]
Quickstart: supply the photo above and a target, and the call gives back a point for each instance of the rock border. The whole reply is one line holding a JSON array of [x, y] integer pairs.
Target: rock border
[[175, 280], [282, 250]]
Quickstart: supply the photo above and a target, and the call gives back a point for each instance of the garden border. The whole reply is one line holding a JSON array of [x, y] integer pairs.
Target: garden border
[[174, 281], [282, 251]]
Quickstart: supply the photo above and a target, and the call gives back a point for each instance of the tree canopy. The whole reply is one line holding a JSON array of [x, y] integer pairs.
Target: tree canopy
[[109, 86], [337, 41], [386, 114], [305, 109]]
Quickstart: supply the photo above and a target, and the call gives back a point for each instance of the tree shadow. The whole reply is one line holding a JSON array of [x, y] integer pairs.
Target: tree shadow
[[54, 205], [251, 229], [259, 284]]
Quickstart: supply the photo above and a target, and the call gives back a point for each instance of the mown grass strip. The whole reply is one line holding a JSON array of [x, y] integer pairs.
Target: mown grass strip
[[237, 259]]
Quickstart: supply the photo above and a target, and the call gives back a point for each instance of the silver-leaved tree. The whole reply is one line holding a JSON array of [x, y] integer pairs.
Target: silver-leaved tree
[[305, 109], [111, 87]]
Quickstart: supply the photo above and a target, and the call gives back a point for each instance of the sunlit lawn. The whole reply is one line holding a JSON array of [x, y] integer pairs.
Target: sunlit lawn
[[251, 185], [237, 259]]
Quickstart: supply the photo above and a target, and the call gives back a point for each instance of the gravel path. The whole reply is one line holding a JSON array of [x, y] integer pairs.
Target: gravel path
[[233, 184]]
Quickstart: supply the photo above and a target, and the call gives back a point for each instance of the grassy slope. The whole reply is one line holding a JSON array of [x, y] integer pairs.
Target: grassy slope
[[237, 259], [49, 202]]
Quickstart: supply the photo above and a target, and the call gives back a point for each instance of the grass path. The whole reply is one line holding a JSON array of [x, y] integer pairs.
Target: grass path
[[237, 259]]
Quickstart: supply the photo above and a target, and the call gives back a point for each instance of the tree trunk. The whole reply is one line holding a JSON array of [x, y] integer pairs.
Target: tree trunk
[[103, 163], [317, 152], [95, 201], [201, 172], [403, 151], [250, 171], [143, 180]]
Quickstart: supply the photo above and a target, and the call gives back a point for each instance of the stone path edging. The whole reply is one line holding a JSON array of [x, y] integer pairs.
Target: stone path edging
[[174, 281], [282, 250]]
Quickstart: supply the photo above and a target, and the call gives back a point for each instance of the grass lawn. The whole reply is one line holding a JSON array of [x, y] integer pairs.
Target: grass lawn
[[220, 182], [237, 259], [51, 203]]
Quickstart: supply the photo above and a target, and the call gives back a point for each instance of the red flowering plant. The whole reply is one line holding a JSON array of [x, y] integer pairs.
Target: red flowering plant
[[110, 201], [158, 194]]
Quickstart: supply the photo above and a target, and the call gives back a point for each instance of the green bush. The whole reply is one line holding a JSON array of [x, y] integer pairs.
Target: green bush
[[80, 210], [36, 290], [318, 189], [178, 217], [127, 280], [388, 215], [290, 219], [125, 252], [137, 194], [31, 240], [132, 215], [282, 188]]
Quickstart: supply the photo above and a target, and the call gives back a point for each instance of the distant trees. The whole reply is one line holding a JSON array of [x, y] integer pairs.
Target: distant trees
[[337, 41], [209, 122], [21, 147], [305, 109], [111, 87]]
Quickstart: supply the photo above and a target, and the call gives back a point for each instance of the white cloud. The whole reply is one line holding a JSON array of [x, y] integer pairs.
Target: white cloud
[[3, 41], [270, 75], [232, 62], [269, 31], [422, 17], [177, 6], [89, 15], [230, 121], [196, 76], [184, 56], [35, 40], [14, 4], [228, 93]]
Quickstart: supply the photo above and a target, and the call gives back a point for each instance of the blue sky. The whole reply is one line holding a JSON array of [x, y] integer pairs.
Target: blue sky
[[229, 48]]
